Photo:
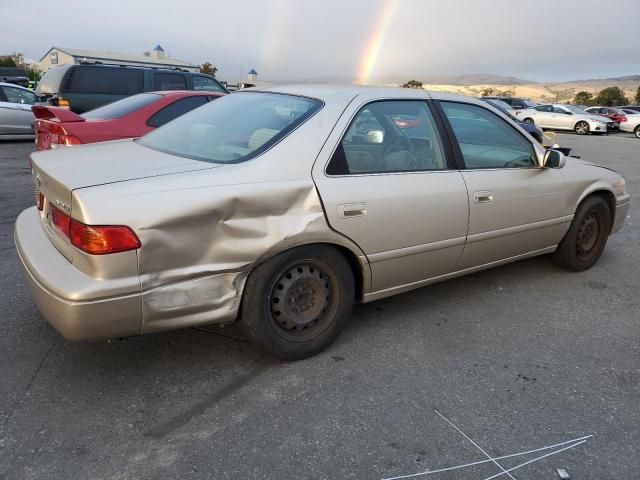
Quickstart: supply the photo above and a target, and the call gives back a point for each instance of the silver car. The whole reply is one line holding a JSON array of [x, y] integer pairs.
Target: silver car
[[16, 117], [280, 208], [565, 117]]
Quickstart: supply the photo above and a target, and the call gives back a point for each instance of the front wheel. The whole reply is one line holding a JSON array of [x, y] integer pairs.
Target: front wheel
[[581, 128], [583, 244], [636, 132], [297, 303]]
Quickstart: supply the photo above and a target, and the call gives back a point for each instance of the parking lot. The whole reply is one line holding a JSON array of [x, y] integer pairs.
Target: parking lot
[[518, 358]]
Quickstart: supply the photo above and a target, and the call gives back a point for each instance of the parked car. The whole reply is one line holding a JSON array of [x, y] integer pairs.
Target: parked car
[[127, 118], [514, 102], [566, 117], [275, 208], [631, 125], [85, 87], [16, 117], [611, 113], [17, 76], [630, 111], [530, 128]]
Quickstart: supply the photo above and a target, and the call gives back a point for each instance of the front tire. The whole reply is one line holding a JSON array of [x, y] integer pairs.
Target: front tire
[[581, 128], [583, 244], [297, 303], [636, 132]]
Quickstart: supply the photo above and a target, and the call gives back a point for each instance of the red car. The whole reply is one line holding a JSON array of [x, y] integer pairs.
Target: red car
[[127, 118], [614, 114]]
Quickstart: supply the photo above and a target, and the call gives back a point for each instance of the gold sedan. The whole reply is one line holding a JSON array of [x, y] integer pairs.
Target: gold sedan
[[280, 208]]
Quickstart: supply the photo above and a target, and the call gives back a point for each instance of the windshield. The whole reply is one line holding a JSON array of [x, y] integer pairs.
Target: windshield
[[234, 128], [530, 104], [504, 106], [122, 107]]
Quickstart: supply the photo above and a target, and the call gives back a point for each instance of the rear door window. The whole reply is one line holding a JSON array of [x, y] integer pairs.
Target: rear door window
[[174, 110], [106, 80], [169, 81]]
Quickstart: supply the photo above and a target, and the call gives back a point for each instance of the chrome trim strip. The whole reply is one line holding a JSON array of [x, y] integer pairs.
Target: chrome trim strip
[[416, 249]]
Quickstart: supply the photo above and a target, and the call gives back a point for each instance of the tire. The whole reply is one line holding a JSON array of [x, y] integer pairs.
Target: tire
[[297, 303], [636, 132], [529, 120], [583, 244], [581, 128]]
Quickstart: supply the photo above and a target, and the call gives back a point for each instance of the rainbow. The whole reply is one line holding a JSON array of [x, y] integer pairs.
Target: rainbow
[[375, 42]]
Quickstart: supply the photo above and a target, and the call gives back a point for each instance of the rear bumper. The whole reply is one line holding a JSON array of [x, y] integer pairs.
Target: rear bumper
[[623, 203], [72, 302]]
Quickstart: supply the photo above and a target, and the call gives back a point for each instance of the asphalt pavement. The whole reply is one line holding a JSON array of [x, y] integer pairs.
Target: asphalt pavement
[[504, 361]]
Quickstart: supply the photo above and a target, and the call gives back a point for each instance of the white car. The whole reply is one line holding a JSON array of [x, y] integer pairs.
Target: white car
[[631, 124], [16, 117], [565, 117]]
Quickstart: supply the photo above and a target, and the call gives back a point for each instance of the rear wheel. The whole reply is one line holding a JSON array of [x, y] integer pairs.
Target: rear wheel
[[636, 132], [297, 303], [583, 244], [529, 120], [581, 128]]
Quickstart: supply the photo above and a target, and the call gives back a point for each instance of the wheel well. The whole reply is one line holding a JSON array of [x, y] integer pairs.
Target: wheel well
[[607, 197], [356, 268]]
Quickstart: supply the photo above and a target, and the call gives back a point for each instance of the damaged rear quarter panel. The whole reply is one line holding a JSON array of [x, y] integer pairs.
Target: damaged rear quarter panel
[[203, 232]]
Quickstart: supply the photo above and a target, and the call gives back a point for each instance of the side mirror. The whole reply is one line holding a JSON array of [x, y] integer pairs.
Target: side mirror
[[554, 159], [374, 136]]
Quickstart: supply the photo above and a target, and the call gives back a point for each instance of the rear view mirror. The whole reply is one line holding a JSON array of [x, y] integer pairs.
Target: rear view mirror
[[554, 159], [374, 136]]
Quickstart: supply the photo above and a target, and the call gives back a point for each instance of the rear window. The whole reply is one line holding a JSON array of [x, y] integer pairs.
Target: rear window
[[111, 81], [122, 107], [51, 80], [234, 128]]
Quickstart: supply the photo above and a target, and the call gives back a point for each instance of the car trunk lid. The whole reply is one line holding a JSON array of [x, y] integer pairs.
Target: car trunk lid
[[57, 173]]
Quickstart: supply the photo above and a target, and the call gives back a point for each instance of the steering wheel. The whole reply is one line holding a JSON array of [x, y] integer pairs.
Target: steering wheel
[[401, 144]]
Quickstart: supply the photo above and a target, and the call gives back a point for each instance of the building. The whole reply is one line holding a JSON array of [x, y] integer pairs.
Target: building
[[252, 76], [157, 58]]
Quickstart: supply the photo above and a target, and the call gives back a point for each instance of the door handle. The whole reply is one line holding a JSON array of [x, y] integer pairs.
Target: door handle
[[350, 210], [483, 196]]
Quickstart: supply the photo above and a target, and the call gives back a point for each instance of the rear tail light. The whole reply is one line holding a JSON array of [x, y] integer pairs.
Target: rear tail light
[[62, 102], [95, 240], [63, 139]]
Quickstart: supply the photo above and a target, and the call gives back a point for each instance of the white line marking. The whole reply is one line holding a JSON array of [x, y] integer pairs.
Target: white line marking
[[534, 460], [480, 462], [476, 445]]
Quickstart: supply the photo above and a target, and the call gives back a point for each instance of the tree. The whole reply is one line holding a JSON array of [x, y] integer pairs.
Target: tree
[[583, 98], [208, 69], [7, 61], [487, 92], [611, 96], [638, 96], [412, 84]]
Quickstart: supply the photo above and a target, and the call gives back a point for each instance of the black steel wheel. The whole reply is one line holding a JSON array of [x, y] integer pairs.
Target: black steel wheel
[[583, 244], [295, 304]]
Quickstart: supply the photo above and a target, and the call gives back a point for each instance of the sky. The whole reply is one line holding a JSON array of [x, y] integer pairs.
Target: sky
[[360, 40]]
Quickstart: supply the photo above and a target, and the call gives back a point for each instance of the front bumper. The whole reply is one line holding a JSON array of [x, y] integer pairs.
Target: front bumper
[[623, 202], [72, 302]]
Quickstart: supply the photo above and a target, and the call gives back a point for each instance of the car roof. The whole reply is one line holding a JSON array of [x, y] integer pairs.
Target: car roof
[[346, 93], [7, 84]]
